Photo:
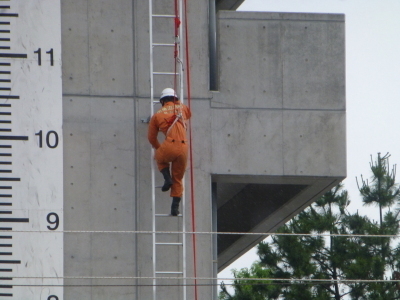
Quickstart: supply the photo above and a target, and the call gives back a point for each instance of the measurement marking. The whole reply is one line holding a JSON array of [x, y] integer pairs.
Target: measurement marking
[[10, 261], [5, 253], [9, 97], [5, 171], [6, 245], [5, 237], [5, 146], [9, 179], [5, 162], [4, 39], [4, 63], [5, 122], [6, 228], [5, 212], [13, 137], [5, 72], [5, 204], [5, 105], [5, 154], [5, 129], [6, 80], [5, 187], [6, 295], [4, 23], [5, 270], [5, 113], [5, 48], [8, 15], [5, 89], [15, 220], [14, 55], [5, 196], [4, 7], [4, 31]]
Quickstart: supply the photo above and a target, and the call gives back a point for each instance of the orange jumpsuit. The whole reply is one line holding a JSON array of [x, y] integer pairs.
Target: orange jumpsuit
[[174, 149]]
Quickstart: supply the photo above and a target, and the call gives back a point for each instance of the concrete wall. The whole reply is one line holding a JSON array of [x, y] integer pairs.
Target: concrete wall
[[279, 118], [99, 160], [290, 68], [265, 120]]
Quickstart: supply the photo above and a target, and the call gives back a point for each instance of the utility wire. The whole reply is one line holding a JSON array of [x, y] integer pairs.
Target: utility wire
[[290, 280], [206, 233]]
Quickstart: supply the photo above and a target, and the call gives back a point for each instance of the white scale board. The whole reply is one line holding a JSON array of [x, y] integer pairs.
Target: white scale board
[[31, 155]]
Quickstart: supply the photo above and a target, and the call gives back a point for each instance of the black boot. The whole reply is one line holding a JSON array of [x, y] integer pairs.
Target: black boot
[[175, 206], [167, 180]]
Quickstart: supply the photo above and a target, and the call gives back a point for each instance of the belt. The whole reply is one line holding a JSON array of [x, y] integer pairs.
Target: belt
[[183, 142]]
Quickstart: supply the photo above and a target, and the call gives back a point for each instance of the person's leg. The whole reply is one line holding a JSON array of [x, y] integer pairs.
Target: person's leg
[[167, 179], [163, 157], [178, 168], [175, 206]]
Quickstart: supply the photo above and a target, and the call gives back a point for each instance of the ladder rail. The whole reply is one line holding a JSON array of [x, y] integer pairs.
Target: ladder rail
[[180, 62], [153, 194]]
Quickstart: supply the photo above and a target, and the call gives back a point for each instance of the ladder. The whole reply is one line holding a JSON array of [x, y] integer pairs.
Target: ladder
[[162, 50]]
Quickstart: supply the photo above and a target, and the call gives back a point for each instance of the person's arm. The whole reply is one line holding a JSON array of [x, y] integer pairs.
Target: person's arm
[[153, 132], [188, 113]]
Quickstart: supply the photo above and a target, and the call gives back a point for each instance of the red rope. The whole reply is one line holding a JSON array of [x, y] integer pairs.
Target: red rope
[[190, 150], [177, 22]]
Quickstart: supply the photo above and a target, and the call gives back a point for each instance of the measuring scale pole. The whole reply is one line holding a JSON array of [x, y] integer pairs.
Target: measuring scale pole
[[31, 150]]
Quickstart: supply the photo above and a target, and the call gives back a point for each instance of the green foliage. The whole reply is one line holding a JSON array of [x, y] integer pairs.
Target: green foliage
[[337, 259], [249, 289]]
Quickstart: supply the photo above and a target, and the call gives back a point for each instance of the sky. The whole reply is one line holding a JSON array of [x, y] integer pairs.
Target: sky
[[372, 86]]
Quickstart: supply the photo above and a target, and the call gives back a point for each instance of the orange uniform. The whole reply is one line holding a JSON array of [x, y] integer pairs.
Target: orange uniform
[[174, 148]]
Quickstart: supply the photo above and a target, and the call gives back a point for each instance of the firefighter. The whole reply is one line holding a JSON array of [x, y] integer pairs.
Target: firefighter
[[171, 155]]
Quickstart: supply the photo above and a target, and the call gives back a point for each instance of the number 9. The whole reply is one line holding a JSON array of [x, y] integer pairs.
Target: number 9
[[56, 222]]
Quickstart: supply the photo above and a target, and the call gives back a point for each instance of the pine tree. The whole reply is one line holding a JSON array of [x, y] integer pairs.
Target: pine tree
[[335, 258]]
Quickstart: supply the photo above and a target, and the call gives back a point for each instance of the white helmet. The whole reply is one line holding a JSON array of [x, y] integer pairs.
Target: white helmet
[[168, 92]]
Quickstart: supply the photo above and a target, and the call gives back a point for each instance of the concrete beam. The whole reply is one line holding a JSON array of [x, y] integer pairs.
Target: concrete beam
[[228, 4], [260, 204]]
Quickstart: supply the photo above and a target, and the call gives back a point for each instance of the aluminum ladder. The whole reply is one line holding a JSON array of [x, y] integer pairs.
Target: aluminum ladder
[[165, 51]]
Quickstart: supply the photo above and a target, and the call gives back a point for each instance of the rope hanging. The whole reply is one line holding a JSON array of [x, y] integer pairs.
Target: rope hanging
[[187, 50], [177, 23]]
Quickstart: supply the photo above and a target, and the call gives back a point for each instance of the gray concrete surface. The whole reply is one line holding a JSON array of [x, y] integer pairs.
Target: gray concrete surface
[[277, 121]]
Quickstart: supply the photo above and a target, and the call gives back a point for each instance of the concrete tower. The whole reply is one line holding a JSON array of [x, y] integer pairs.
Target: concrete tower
[[268, 136]]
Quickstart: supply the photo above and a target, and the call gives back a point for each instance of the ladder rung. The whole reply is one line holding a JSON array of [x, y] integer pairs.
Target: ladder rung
[[163, 16], [168, 272], [170, 244], [161, 45], [166, 215], [165, 73]]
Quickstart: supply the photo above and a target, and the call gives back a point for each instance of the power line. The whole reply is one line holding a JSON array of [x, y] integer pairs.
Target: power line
[[290, 280], [209, 233]]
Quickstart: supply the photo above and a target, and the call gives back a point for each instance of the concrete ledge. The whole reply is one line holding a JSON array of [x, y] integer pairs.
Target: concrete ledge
[[228, 4], [259, 204], [251, 15]]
